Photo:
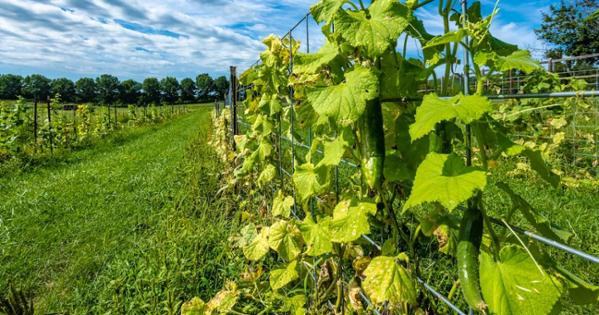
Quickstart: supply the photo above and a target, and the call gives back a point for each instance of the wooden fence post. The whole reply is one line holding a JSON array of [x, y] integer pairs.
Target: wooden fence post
[[233, 95], [35, 120], [50, 125]]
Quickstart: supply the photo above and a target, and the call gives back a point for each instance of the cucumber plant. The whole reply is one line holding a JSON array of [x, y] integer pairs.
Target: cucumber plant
[[424, 168]]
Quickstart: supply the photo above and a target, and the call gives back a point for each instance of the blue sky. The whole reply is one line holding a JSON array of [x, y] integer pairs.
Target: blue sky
[[140, 38]]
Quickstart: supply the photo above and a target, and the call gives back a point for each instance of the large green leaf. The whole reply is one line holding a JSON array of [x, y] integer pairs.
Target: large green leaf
[[317, 236], [376, 30], [444, 178], [285, 238], [333, 152], [514, 284], [346, 101], [435, 109], [282, 277], [310, 180], [312, 63], [325, 10], [350, 220], [449, 37], [281, 205], [519, 60], [258, 246], [387, 280]]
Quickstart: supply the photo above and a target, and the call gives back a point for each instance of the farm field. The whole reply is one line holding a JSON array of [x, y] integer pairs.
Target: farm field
[[412, 157], [84, 233]]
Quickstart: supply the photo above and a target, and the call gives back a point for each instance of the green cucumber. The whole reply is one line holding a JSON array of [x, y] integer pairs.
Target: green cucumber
[[471, 232], [372, 142]]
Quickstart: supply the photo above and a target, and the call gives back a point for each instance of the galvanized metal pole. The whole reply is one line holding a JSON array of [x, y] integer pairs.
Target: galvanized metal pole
[[467, 84]]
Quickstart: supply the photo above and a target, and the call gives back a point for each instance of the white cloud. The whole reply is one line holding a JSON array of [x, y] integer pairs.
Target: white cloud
[[87, 38]]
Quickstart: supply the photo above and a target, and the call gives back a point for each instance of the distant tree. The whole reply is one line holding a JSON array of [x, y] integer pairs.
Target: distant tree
[[221, 85], [151, 91], [108, 88], [169, 87], [572, 28], [205, 86], [64, 87], [188, 90], [130, 92], [36, 85], [85, 88], [10, 86]]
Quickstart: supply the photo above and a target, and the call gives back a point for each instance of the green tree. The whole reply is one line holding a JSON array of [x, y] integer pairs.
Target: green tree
[[221, 85], [130, 91], [169, 87], [36, 85], [572, 28], [85, 89], [108, 88], [205, 86], [10, 86], [188, 90], [64, 87], [151, 91]]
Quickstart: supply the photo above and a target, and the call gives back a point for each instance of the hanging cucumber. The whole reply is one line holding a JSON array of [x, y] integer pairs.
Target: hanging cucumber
[[372, 141], [471, 232]]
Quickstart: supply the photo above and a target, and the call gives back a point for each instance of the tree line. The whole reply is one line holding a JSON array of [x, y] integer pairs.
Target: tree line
[[107, 89]]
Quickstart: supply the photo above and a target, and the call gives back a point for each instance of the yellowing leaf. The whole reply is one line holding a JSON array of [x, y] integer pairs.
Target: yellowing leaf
[[258, 246], [515, 285], [558, 123], [285, 238], [281, 205], [346, 101], [444, 178], [224, 300], [350, 221], [386, 280], [434, 110], [194, 307], [376, 30], [267, 175], [317, 236], [282, 277]]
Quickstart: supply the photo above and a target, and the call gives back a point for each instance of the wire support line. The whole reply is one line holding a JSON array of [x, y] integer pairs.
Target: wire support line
[[547, 241], [440, 297]]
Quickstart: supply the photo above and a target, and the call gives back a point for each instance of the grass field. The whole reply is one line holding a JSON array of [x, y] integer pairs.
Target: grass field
[[120, 227]]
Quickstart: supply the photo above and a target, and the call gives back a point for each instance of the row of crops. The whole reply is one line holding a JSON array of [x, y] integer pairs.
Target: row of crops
[[358, 191], [27, 130]]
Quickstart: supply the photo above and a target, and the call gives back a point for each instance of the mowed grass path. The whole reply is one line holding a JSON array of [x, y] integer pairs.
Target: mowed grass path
[[61, 224]]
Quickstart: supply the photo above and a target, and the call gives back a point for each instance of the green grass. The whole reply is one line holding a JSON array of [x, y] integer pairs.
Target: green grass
[[129, 225]]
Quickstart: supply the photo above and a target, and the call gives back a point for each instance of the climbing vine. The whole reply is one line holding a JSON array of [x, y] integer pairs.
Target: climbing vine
[[424, 165]]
